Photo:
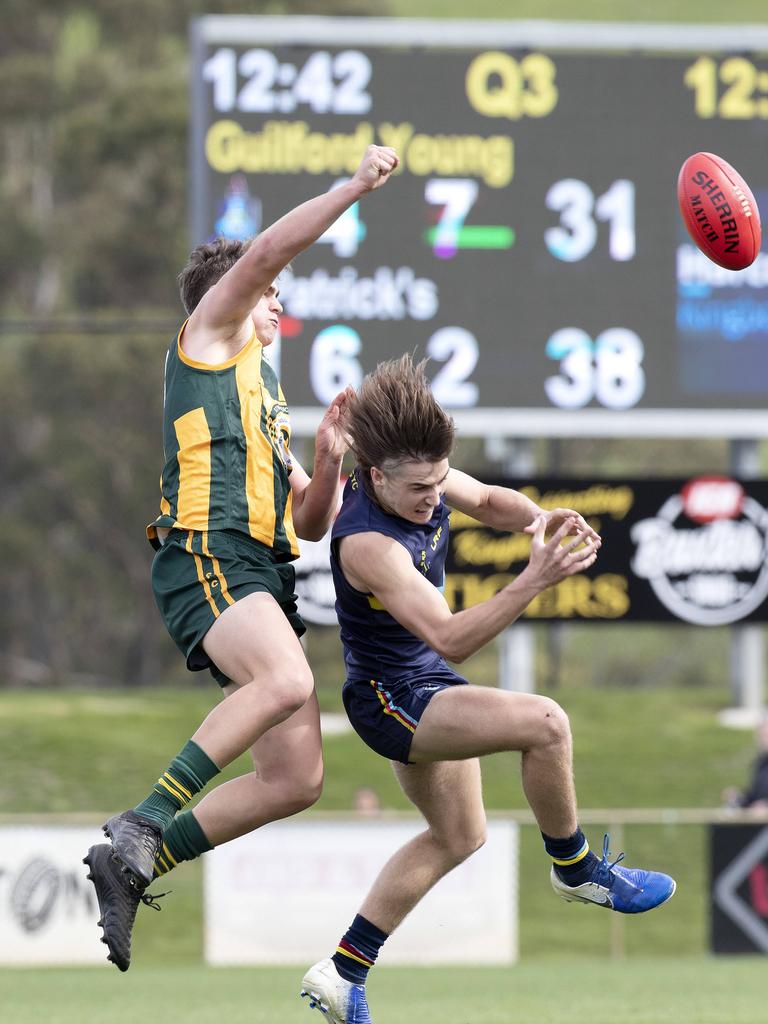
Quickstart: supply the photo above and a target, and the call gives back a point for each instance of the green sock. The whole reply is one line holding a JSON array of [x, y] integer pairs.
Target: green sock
[[187, 773], [183, 840]]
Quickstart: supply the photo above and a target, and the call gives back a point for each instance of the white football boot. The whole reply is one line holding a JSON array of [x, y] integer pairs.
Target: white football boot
[[341, 1001]]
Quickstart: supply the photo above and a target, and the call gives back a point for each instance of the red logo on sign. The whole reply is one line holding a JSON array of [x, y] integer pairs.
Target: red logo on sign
[[712, 497], [758, 889]]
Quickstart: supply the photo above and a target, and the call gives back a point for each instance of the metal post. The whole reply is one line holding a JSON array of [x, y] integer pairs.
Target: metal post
[[748, 641], [517, 659], [555, 631], [517, 644]]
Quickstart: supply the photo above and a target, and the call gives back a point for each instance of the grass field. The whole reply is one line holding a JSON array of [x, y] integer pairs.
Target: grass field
[[657, 746], [669, 991], [68, 751], [704, 12]]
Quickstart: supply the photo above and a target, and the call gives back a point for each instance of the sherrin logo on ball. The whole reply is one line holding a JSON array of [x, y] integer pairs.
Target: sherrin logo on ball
[[719, 211]]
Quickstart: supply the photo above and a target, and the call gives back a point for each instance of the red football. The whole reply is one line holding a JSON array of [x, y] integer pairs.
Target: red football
[[719, 211]]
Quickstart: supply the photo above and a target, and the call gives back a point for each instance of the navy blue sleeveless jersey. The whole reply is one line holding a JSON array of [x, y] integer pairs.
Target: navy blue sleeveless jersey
[[376, 646]]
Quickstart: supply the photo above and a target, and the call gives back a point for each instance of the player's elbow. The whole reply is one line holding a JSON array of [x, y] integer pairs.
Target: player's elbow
[[311, 520], [308, 532], [457, 654], [452, 648]]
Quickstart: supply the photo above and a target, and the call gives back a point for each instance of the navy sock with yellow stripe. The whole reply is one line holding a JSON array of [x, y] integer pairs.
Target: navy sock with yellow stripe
[[184, 839], [573, 860], [185, 776], [357, 950]]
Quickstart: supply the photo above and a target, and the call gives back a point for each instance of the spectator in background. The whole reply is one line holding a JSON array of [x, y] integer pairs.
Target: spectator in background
[[366, 802], [755, 796]]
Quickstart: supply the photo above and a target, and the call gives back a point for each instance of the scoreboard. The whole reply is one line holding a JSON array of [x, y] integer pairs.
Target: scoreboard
[[530, 243]]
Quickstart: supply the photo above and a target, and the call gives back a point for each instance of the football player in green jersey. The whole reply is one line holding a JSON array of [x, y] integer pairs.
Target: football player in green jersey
[[234, 499]]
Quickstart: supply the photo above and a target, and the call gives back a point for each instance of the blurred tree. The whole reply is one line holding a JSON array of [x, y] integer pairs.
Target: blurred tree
[[80, 469], [93, 143], [93, 196]]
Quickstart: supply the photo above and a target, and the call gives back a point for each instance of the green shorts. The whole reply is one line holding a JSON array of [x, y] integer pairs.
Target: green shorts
[[197, 576]]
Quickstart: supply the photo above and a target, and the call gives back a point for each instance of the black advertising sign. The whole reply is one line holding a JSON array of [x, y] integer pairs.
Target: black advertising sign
[[739, 885], [691, 550]]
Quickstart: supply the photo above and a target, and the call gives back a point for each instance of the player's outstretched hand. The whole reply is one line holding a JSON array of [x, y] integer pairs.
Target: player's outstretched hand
[[552, 560], [331, 440], [376, 167], [555, 518]]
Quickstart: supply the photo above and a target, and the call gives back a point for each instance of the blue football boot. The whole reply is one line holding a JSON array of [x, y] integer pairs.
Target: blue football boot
[[626, 890], [341, 1001]]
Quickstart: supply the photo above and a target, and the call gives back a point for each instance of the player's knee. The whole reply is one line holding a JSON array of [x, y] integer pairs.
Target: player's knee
[[294, 782], [306, 792], [291, 691], [555, 728], [460, 844], [474, 841]]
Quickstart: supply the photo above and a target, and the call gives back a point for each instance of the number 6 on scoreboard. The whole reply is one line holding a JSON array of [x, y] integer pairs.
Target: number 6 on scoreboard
[[333, 362]]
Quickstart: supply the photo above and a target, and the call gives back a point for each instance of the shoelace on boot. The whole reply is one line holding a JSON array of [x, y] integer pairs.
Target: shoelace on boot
[[604, 869], [152, 901]]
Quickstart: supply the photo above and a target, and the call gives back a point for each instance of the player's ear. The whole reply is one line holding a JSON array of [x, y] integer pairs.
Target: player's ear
[[376, 475]]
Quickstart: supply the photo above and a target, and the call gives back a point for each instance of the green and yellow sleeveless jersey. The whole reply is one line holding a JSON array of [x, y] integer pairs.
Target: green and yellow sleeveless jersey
[[226, 439]]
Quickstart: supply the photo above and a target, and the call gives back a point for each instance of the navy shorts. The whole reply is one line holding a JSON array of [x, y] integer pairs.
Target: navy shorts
[[385, 713]]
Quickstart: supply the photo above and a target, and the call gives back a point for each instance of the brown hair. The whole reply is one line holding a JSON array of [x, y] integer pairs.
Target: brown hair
[[207, 264], [394, 417]]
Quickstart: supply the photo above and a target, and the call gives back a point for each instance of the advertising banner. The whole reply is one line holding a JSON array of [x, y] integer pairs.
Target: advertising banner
[[287, 892], [689, 550], [48, 908], [314, 582], [739, 884]]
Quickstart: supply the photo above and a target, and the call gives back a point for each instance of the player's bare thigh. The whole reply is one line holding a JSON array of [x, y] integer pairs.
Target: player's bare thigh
[[470, 721], [448, 794], [253, 640], [291, 751]]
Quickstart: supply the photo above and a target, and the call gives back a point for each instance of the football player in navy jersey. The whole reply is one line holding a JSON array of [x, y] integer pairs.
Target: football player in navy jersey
[[388, 552]]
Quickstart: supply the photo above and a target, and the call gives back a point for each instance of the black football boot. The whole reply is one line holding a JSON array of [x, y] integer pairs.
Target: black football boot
[[136, 843], [118, 899]]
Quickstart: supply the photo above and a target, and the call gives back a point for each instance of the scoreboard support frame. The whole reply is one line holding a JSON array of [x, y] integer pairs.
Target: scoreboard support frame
[[455, 32]]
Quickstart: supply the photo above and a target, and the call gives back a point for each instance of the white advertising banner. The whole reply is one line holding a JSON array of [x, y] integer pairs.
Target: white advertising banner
[[286, 894], [48, 908]]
